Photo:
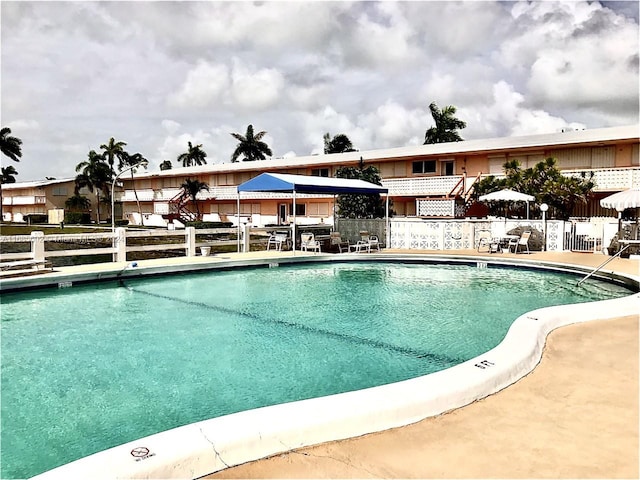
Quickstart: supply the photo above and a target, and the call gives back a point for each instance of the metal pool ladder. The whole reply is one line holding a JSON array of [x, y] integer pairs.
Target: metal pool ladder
[[603, 264]]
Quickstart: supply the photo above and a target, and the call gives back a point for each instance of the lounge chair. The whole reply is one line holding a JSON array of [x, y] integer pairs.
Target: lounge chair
[[522, 241], [336, 241], [371, 240], [308, 242], [360, 246]]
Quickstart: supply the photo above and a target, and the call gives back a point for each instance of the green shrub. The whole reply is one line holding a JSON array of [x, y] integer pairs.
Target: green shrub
[[202, 225], [36, 218], [73, 218]]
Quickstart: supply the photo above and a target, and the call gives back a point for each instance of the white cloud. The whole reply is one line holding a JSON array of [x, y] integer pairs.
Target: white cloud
[[575, 54], [510, 115], [22, 125], [257, 89], [173, 146], [392, 124], [158, 74], [205, 85], [170, 126]]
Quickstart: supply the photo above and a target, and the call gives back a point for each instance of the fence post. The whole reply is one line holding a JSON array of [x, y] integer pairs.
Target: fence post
[[246, 238], [37, 245], [120, 241], [190, 241]]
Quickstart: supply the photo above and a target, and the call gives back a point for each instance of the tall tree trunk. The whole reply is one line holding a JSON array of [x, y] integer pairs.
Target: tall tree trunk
[[135, 192], [98, 210]]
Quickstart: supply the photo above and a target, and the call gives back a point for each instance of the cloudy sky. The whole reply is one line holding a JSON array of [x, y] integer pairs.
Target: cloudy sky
[[159, 74]]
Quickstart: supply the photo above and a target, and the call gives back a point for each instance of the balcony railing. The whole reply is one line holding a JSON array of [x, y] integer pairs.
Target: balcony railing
[[610, 179], [25, 200], [421, 185]]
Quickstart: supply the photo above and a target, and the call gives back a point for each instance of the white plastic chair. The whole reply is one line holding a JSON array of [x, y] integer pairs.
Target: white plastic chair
[[308, 242], [522, 241], [370, 240], [484, 240], [277, 239], [336, 241]]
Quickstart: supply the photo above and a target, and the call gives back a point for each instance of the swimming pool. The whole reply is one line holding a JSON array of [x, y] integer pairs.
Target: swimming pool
[[114, 363]]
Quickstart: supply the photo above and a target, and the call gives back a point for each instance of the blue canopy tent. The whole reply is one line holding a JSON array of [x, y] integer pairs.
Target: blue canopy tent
[[285, 183]]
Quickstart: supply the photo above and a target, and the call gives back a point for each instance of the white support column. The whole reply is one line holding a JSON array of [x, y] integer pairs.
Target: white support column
[[238, 210], [120, 243], [190, 241], [293, 229], [37, 245], [387, 224], [246, 238]]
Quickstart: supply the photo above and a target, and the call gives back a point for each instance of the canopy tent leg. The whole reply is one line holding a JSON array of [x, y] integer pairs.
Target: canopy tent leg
[[387, 224], [293, 228], [238, 210]]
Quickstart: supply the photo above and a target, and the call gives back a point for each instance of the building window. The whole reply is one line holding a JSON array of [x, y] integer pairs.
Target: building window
[[424, 166], [320, 172], [448, 168], [301, 209], [59, 191]]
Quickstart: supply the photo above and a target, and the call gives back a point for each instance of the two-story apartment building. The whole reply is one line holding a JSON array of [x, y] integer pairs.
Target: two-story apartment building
[[38, 197], [425, 180]]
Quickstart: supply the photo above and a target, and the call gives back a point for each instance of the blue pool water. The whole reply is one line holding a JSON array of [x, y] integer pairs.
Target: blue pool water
[[92, 367]]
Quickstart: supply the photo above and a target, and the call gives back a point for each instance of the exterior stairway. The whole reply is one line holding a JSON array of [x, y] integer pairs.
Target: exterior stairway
[[178, 209]]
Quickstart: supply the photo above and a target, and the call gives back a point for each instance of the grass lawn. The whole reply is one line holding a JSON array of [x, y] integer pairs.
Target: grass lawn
[[17, 229]]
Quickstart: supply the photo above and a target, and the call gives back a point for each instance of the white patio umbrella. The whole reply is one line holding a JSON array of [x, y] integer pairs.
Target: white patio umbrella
[[622, 200], [507, 195]]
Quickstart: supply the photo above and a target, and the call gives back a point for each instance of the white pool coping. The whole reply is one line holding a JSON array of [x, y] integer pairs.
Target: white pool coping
[[201, 448]]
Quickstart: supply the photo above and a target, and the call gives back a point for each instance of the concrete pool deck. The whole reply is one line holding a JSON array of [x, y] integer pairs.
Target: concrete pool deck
[[583, 396]]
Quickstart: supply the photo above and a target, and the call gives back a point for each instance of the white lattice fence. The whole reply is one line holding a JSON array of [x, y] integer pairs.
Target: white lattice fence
[[463, 234]]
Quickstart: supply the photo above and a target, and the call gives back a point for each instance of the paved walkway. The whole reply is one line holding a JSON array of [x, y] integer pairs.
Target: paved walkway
[[574, 416]]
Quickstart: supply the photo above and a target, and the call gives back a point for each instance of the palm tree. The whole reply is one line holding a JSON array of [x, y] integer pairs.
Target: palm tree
[[9, 145], [133, 162], [192, 187], [77, 203], [339, 144], [251, 146], [94, 174], [166, 165], [112, 150], [446, 125], [8, 176], [194, 156]]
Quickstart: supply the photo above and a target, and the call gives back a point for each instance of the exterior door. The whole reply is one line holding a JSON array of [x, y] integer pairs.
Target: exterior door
[[282, 214], [448, 168]]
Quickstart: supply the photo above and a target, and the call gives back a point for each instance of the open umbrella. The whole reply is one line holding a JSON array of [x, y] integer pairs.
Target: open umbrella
[[507, 195], [622, 200]]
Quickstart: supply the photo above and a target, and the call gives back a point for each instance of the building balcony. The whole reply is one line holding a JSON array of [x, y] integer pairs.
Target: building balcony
[[25, 200], [606, 180], [421, 186], [610, 179]]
